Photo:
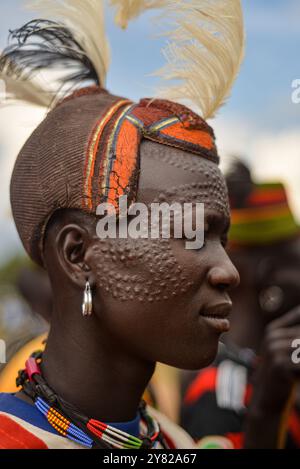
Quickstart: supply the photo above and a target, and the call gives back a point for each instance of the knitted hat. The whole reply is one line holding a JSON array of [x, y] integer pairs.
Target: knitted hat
[[260, 212]]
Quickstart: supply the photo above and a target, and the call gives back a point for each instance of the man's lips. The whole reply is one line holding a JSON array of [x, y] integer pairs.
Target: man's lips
[[219, 310], [217, 316]]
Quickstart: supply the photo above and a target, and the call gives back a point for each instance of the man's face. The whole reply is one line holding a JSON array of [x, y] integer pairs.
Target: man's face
[[162, 301]]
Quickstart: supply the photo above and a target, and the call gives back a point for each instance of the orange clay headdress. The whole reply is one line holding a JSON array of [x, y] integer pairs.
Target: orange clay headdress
[[86, 151]]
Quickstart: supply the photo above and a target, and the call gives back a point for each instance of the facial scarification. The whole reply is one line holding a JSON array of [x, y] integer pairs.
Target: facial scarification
[[144, 270], [212, 195], [195, 164], [147, 269]]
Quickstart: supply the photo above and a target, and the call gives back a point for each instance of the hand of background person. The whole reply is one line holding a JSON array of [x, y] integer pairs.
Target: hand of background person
[[274, 380], [277, 372]]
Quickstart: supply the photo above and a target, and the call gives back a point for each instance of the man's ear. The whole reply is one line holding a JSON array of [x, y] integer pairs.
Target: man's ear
[[72, 243]]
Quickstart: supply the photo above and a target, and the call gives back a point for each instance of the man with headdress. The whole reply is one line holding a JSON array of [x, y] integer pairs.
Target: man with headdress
[[248, 395], [120, 305]]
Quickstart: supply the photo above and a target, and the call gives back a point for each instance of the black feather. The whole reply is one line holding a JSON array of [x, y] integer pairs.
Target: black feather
[[43, 44]]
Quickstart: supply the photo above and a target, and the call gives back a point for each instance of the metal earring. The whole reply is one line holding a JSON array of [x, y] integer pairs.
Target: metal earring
[[87, 304]]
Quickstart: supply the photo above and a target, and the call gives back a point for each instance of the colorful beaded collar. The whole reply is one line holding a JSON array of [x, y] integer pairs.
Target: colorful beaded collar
[[70, 423]]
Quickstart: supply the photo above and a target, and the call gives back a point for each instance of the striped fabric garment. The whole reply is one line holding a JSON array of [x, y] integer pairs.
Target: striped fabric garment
[[22, 426]]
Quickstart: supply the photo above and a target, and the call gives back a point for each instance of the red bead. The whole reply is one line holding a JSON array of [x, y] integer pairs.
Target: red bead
[[32, 367]]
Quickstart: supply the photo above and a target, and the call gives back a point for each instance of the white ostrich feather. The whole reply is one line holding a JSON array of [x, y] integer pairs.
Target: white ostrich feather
[[127, 10], [205, 47], [27, 91], [85, 19]]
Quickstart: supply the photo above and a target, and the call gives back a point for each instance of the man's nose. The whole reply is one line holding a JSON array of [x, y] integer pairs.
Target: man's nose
[[224, 276]]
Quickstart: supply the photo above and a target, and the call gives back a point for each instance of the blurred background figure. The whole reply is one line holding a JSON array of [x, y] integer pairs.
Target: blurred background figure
[[247, 395], [25, 308]]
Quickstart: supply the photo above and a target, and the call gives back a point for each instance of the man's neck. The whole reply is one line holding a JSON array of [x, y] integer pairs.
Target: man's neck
[[92, 372]]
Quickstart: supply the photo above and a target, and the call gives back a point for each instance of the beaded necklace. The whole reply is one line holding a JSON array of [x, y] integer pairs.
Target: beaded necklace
[[70, 423]]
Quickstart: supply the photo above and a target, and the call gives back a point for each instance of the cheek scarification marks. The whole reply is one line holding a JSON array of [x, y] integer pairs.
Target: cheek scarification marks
[[143, 270], [146, 270]]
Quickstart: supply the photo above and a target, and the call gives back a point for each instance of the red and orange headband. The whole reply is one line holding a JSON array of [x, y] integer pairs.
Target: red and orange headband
[[117, 149]]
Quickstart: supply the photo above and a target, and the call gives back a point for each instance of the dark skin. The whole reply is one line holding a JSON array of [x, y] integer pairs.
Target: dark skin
[[102, 364], [269, 330]]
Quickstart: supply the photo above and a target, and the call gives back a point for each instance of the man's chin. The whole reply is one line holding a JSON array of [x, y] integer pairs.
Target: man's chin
[[198, 359]]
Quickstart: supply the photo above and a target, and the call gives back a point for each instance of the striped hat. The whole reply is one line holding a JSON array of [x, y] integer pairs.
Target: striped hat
[[265, 216]]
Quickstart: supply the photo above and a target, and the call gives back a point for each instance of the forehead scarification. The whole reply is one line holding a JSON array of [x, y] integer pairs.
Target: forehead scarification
[[185, 161], [213, 196], [172, 175]]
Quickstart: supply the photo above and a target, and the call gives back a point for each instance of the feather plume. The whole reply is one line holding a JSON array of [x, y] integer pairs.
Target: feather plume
[[22, 90], [85, 20], [127, 10], [38, 45], [205, 47], [74, 44]]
